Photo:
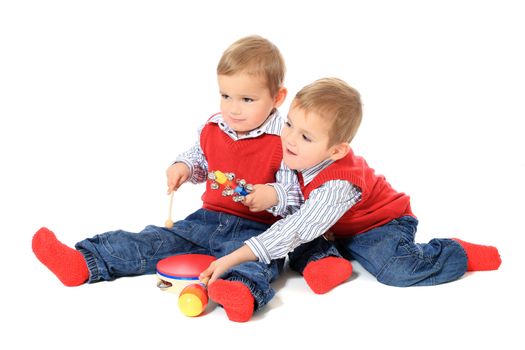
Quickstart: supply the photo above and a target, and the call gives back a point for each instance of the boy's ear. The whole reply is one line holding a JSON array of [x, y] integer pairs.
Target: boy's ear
[[280, 97], [339, 151]]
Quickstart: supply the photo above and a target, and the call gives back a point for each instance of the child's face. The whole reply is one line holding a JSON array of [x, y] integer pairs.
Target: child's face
[[305, 139], [245, 101]]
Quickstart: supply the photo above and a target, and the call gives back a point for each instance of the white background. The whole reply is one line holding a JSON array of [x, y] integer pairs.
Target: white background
[[98, 97]]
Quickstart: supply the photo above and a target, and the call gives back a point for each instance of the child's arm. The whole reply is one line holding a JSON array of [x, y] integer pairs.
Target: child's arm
[[190, 165], [261, 198], [320, 212], [223, 264], [282, 197], [177, 174]]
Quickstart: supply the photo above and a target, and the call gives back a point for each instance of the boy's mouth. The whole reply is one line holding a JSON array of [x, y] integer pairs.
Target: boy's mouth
[[290, 152], [237, 120]]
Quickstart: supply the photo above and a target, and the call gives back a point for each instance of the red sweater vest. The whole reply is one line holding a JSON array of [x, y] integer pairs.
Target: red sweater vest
[[379, 203], [256, 160]]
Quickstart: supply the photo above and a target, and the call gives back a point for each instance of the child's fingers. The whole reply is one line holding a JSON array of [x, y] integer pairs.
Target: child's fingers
[[174, 184], [209, 274], [172, 188], [206, 273], [248, 200], [213, 278]]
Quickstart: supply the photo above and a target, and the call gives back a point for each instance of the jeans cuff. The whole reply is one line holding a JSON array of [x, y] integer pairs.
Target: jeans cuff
[[94, 276], [259, 300]]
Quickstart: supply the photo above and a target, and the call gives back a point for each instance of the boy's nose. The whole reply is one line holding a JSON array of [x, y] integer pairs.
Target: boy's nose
[[236, 109], [295, 137], [289, 140]]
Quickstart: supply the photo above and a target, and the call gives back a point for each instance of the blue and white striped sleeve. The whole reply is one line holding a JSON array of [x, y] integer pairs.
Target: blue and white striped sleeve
[[288, 191], [195, 160], [319, 212]]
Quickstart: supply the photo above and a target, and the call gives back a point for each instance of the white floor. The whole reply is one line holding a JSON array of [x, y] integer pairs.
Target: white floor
[[474, 312], [96, 99]]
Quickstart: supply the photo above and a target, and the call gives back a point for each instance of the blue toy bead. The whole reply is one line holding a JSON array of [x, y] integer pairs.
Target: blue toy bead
[[241, 191]]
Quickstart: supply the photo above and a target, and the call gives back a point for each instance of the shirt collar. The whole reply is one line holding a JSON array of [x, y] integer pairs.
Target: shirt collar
[[310, 173], [272, 125]]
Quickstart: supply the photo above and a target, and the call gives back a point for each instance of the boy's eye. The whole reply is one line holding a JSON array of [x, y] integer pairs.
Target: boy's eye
[[288, 124], [306, 138], [247, 99], [224, 96]]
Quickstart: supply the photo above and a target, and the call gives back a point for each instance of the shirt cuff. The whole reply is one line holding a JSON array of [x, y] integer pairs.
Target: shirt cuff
[[189, 164], [259, 250], [280, 208]]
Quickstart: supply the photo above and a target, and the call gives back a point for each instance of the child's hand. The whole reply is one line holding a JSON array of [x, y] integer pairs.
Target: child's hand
[[218, 267], [261, 198], [177, 174], [215, 270]]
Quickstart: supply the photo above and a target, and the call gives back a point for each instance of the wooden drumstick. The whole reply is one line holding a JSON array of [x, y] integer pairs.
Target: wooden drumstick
[[169, 222]]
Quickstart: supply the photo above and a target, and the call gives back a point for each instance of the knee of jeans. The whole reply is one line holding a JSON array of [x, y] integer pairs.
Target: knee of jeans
[[393, 282], [403, 271], [391, 279]]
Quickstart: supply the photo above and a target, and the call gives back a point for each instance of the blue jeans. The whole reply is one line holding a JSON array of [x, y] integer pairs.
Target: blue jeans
[[315, 250], [391, 255], [119, 253]]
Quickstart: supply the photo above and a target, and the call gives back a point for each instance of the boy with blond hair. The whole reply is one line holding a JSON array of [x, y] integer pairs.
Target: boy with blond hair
[[243, 139], [371, 222]]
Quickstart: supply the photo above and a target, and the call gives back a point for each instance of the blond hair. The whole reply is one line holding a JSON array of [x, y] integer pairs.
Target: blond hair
[[257, 56], [334, 101]]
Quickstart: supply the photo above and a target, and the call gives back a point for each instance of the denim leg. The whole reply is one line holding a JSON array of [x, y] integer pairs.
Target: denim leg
[[120, 253], [391, 255], [314, 250], [257, 276]]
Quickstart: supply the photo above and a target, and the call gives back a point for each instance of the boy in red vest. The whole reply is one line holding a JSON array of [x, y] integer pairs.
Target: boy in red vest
[[371, 222], [243, 139]]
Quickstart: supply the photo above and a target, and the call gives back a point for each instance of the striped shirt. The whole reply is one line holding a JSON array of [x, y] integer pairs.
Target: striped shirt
[[319, 212], [286, 185]]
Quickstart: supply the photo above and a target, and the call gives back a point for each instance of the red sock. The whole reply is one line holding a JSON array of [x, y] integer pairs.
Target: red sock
[[66, 263], [480, 257], [234, 297], [324, 274]]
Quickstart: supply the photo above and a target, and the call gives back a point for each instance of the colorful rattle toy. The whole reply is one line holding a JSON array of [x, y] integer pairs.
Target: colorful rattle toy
[[180, 274], [194, 298], [238, 189]]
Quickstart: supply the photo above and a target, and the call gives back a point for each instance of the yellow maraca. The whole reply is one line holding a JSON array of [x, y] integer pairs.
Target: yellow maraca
[[194, 298]]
